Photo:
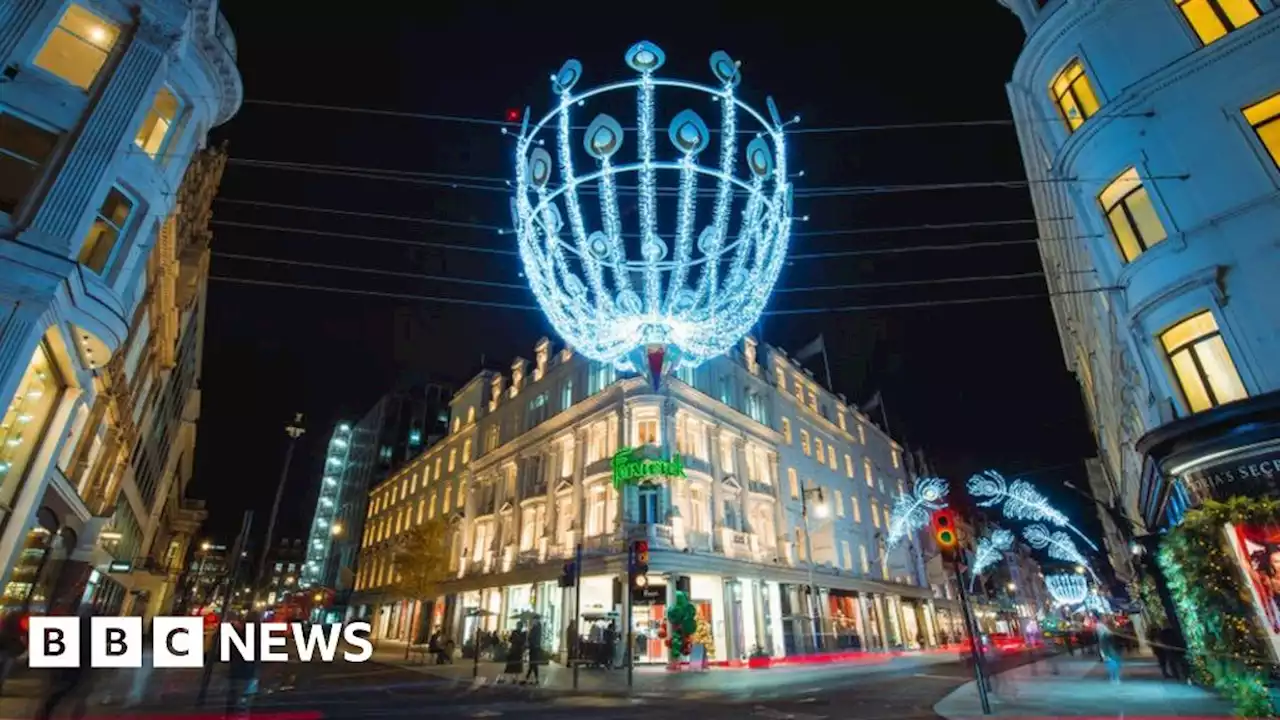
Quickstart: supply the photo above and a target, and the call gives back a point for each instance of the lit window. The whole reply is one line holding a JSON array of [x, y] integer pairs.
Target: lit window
[[1265, 119], [106, 231], [857, 509], [866, 564], [25, 418], [786, 430], [885, 510], [842, 421], [794, 482], [466, 451], [154, 133], [866, 470], [862, 434], [897, 461], [817, 449], [453, 458], [647, 431], [782, 378], [848, 555], [431, 506], [78, 47], [24, 148], [1212, 19], [471, 414], [1074, 95], [1201, 363], [1131, 215], [831, 457], [875, 512], [804, 441], [848, 465], [839, 504]]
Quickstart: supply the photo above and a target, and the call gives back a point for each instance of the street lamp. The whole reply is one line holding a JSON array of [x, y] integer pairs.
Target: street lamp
[[337, 529], [820, 510], [1079, 569], [1012, 586]]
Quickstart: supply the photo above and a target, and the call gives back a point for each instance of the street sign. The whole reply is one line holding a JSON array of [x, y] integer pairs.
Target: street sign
[[120, 566]]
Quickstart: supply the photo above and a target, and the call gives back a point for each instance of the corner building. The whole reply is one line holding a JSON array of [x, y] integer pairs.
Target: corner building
[[1150, 131], [525, 476], [102, 105]]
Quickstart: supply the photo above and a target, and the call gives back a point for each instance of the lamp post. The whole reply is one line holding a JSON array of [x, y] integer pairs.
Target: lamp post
[[294, 430], [821, 510]]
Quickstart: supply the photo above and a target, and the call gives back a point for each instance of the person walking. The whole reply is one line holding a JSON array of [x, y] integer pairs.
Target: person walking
[[12, 644], [1175, 655], [515, 654], [535, 651], [73, 683], [1155, 639], [142, 675], [1109, 649], [242, 679]]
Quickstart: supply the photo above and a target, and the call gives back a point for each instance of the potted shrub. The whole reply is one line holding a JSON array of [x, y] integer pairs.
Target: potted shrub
[[759, 659]]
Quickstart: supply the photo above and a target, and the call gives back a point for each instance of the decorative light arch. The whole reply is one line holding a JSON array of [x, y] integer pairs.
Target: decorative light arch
[[1019, 500], [636, 293], [911, 511], [1067, 588], [989, 551]]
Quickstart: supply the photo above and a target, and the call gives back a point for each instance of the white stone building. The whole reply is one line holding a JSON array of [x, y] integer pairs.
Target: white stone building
[[525, 476], [1150, 132], [102, 105]]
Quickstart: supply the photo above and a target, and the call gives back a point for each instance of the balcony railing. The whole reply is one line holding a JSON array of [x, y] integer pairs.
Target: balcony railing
[[763, 488]]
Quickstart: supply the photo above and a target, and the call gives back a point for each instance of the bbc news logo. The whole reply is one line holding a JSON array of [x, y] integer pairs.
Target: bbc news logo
[[178, 642]]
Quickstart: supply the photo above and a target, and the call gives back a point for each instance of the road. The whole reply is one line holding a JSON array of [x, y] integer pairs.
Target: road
[[339, 691]]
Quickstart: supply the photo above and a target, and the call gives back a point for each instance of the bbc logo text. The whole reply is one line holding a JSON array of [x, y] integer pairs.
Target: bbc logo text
[[178, 642]]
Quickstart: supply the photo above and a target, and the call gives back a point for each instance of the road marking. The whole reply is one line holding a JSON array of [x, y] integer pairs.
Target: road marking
[[485, 714], [938, 677]]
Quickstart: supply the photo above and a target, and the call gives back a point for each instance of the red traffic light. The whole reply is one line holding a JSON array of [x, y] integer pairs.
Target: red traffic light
[[641, 549], [513, 115], [944, 529]]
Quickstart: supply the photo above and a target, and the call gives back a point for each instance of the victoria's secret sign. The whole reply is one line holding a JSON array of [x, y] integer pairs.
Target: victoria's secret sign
[[1257, 474]]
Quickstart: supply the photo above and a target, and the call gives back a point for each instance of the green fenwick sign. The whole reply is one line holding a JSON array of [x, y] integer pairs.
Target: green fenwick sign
[[630, 468]]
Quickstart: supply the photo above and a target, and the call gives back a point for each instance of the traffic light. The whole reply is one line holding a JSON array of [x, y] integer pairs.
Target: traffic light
[[568, 578], [640, 558], [944, 531]]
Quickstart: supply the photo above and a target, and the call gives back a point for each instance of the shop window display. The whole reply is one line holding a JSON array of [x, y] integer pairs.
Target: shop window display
[[25, 420]]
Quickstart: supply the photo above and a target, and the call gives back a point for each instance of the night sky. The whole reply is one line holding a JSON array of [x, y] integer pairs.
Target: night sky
[[977, 385]]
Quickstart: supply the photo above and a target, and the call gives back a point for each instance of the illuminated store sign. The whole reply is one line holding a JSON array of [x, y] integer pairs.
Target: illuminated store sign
[[631, 468]]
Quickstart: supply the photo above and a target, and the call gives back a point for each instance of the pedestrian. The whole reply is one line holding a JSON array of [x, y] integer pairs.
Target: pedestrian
[[1175, 655], [610, 645], [535, 651], [1109, 649], [1158, 649], [71, 683], [242, 676], [515, 654], [142, 675], [12, 644]]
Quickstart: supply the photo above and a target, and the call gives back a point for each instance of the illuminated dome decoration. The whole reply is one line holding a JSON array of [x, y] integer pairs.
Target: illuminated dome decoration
[[630, 267]]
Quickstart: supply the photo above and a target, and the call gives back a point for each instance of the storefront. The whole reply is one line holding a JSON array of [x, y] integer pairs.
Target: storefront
[[1224, 463]]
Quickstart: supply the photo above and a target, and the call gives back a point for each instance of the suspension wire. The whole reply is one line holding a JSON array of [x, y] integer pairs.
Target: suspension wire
[[518, 286], [516, 306], [293, 229]]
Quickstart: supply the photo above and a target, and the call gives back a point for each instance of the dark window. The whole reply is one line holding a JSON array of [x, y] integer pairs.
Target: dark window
[[24, 148]]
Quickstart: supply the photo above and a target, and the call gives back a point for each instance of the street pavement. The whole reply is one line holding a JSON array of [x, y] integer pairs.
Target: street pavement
[[1079, 686], [901, 688]]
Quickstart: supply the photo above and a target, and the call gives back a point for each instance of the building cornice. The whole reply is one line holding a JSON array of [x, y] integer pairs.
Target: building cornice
[[216, 45]]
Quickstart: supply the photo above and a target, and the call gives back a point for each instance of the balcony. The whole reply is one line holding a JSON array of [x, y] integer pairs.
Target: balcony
[[698, 540], [601, 544], [657, 535], [761, 488]]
